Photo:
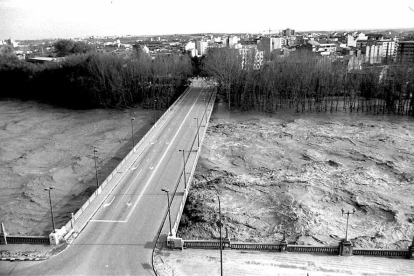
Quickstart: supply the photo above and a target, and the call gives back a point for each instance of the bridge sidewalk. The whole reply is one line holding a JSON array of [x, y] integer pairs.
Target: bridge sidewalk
[[235, 262]]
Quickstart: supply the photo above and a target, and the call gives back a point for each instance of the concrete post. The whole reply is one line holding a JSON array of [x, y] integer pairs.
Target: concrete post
[[3, 234], [226, 241], [283, 243], [411, 250], [345, 248]]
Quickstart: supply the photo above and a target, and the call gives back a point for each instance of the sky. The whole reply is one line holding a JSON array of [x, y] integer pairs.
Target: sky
[[42, 19]]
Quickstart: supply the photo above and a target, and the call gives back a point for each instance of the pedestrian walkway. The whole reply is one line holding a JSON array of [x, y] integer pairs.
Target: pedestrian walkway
[[207, 262]]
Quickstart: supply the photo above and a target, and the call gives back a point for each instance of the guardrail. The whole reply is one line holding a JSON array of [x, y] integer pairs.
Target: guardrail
[[206, 115], [202, 244], [381, 252], [160, 243], [255, 246], [330, 250], [25, 239], [313, 249]]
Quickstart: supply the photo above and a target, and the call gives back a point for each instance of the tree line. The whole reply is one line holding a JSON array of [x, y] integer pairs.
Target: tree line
[[93, 80], [306, 82]]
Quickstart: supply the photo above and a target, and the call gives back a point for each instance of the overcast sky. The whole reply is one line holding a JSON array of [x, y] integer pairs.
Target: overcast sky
[[35, 19]]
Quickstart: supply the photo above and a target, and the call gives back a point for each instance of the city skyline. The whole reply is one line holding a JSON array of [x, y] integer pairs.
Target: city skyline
[[22, 19]]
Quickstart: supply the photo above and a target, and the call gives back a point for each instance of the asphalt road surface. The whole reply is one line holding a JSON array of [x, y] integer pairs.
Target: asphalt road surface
[[120, 237]]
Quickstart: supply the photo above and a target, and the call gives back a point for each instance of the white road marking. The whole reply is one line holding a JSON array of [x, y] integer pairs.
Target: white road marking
[[107, 204], [129, 202], [132, 182], [159, 163], [105, 220]]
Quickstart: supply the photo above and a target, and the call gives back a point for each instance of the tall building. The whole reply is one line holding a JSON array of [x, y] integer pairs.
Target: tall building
[[201, 47], [377, 51], [232, 40], [288, 32], [11, 42], [268, 44], [405, 51]]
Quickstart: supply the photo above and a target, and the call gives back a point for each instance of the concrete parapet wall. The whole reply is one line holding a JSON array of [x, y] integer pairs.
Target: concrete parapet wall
[[193, 165]]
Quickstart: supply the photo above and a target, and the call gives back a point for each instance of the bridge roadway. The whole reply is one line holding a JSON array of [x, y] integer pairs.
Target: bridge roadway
[[120, 237]]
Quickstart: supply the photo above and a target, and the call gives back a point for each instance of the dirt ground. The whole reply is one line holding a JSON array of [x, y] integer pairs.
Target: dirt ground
[[295, 172], [43, 146]]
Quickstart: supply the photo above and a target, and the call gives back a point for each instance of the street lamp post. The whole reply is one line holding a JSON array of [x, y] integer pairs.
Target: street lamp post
[[169, 212], [221, 240], [132, 131], [155, 101], [185, 179], [96, 168], [347, 218], [198, 133], [51, 208]]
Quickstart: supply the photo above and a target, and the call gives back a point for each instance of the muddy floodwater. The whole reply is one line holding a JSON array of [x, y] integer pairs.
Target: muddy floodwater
[[43, 146], [294, 172]]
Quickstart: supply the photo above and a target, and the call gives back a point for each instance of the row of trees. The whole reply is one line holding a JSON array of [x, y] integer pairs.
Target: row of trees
[[65, 47], [307, 82], [98, 80]]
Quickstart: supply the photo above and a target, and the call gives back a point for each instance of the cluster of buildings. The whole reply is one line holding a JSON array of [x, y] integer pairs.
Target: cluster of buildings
[[10, 42], [355, 48]]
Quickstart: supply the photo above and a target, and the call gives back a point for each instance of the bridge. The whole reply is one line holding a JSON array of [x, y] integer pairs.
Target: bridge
[[120, 224]]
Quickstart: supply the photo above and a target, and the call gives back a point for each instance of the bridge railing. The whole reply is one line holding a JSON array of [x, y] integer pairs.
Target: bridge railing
[[381, 252], [206, 115], [25, 239], [313, 249]]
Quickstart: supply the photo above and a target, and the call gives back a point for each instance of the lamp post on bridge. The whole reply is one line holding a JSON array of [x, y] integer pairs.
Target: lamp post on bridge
[[347, 218], [198, 133], [345, 246], [169, 211], [51, 209], [132, 131], [221, 240], [185, 179], [96, 168], [155, 101]]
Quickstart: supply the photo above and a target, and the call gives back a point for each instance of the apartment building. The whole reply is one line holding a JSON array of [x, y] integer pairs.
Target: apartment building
[[377, 51], [405, 51], [201, 47], [268, 44]]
